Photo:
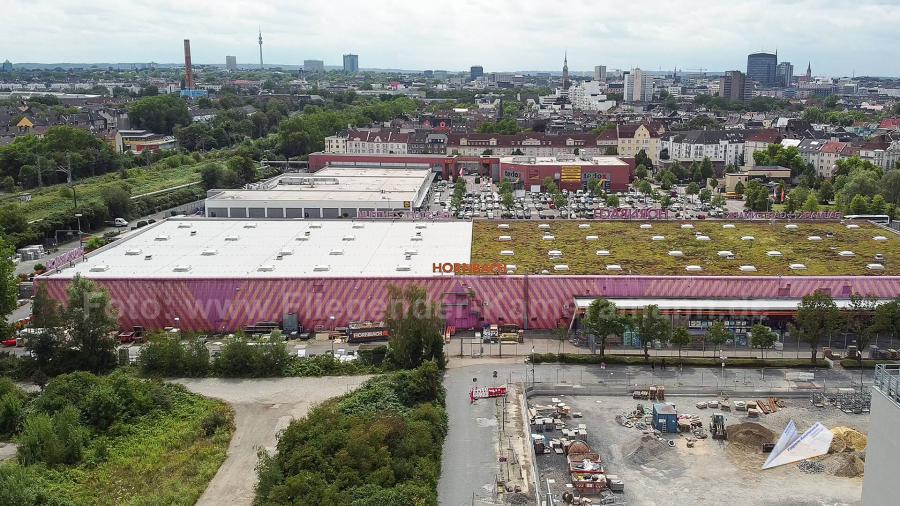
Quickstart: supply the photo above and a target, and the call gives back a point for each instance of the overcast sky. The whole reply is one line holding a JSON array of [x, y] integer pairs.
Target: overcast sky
[[838, 36]]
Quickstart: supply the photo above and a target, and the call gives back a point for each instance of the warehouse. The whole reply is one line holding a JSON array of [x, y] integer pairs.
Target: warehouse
[[570, 172], [334, 192], [215, 274]]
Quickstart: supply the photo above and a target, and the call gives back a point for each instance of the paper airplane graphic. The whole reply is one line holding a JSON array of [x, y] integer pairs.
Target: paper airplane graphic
[[792, 447]]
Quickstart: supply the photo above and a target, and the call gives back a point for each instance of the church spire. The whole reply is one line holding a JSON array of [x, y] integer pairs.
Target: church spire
[[565, 72], [809, 69]]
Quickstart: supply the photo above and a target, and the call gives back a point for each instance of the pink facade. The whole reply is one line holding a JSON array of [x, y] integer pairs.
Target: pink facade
[[540, 302]]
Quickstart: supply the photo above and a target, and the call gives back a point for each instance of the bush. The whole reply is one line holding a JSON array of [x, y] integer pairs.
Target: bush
[[53, 441], [168, 357], [19, 485], [867, 363], [578, 358], [217, 418], [240, 358], [11, 413]]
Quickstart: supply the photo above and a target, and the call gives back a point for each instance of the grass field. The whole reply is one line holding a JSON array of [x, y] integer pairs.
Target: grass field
[[50, 200], [632, 247]]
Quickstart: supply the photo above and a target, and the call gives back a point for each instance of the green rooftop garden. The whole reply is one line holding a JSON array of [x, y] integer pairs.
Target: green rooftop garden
[[634, 249]]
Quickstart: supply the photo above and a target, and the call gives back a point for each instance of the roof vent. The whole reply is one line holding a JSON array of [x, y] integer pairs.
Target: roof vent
[[702, 237], [181, 268], [548, 237], [411, 252], [846, 253], [875, 267], [162, 237], [798, 267], [421, 226], [503, 226], [726, 254], [510, 268], [561, 268], [415, 238], [286, 251], [814, 238], [193, 233], [791, 226], [658, 238], [748, 268], [265, 268], [148, 257], [209, 252], [504, 238], [100, 268], [686, 225], [507, 253], [315, 225], [231, 238], [853, 226], [773, 254], [645, 226], [728, 225], [602, 253], [133, 252], [250, 225], [336, 251], [748, 238], [349, 238], [544, 226], [321, 268], [302, 238], [185, 225], [358, 225], [592, 238], [879, 238], [403, 268], [584, 226], [676, 253], [693, 268], [613, 267]]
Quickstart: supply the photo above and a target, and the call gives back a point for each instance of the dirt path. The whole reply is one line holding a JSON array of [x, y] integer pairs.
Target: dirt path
[[262, 408]]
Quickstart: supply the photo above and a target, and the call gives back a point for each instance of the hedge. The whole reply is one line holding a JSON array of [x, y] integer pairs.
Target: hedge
[[867, 363], [577, 358]]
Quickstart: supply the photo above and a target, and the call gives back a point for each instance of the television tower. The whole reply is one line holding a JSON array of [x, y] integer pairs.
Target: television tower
[[260, 49]]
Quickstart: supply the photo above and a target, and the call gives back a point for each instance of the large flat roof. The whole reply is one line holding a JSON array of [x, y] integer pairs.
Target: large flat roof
[[220, 248], [604, 161], [336, 184]]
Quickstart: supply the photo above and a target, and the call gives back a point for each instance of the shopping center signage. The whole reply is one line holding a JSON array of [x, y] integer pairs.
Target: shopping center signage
[[772, 215], [403, 215], [461, 268], [631, 214]]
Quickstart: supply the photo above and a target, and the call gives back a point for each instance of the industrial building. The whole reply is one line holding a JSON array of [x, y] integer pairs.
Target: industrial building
[[213, 274], [569, 172], [333, 192]]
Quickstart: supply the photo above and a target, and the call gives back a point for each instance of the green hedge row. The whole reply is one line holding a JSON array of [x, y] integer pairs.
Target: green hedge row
[[577, 358], [867, 363]]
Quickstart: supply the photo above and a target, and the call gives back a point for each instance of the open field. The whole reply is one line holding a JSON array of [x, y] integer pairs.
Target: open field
[[632, 247], [713, 472], [50, 200]]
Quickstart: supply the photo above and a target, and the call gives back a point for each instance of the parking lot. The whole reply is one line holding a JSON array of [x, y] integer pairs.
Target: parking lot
[[712, 472], [483, 200]]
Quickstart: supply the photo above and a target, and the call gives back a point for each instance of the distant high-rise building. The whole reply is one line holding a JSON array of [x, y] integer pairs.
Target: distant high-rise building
[[784, 74], [600, 73], [351, 63], [475, 72], [313, 66], [231, 62], [7, 66], [761, 68], [260, 49], [428, 74], [734, 86], [638, 86], [565, 73]]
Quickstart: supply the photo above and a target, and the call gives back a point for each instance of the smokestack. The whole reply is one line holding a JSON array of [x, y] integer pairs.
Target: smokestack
[[188, 71]]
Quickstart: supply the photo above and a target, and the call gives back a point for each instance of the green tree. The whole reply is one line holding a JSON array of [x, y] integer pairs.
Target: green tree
[[887, 318], [643, 186], [211, 176], [415, 326], [159, 114], [666, 179], [817, 316], [641, 158], [651, 326], [692, 189], [550, 186], [739, 188], [859, 204], [640, 172], [859, 320], [762, 337], [9, 288], [117, 201], [878, 205], [680, 338], [706, 168], [243, 167], [602, 319], [90, 321], [717, 335], [612, 201], [811, 204], [705, 195], [756, 196], [825, 193]]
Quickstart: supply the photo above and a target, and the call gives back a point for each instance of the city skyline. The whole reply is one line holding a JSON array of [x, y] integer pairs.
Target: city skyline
[[530, 36]]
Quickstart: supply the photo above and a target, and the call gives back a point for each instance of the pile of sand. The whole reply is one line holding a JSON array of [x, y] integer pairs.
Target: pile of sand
[[647, 450], [750, 436], [847, 440], [845, 465]]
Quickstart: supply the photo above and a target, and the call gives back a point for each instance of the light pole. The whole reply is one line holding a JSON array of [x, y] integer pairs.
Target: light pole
[[330, 335]]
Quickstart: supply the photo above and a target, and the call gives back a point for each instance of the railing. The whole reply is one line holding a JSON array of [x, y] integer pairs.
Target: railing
[[887, 380]]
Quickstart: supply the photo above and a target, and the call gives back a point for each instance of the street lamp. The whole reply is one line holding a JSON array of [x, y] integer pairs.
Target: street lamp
[[331, 337]]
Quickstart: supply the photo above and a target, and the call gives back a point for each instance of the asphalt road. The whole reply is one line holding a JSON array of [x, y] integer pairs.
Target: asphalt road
[[262, 408]]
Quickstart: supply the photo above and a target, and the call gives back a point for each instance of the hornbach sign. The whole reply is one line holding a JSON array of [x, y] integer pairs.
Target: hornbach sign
[[458, 268]]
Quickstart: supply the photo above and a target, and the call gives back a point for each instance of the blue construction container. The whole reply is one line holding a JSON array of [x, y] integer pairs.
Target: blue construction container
[[665, 419]]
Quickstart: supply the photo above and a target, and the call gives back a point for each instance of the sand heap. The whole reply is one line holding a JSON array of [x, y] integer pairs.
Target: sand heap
[[647, 450], [847, 440], [845, 465], [749, 436]]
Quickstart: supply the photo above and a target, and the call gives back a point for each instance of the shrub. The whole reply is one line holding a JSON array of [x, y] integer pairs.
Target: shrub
[[578, 358], [11, 413], [53, 441], [240, 358], [217, 418], [167, 356]]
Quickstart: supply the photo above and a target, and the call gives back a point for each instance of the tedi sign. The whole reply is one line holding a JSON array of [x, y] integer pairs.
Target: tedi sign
[[458, 268]]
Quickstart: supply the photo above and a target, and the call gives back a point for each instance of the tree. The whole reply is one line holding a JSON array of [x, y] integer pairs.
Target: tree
[[612, 201], [717, 334], [680, 338], [117, 201], [549, 185], [762, 337], [817, 316], [159, 114], [756, 196], [602, 319], [739, 188], [195, 137], [887, 318], [9, 288], [641, 158], [651, 326], [860, 318], [859, 205], [705, 195], [878, 205], [243, 167], [640, 172], [643, 186], [415, 327], [712, 183], [811, 204], [692, 189], [776, 154], [90, 320], [825, 193], [795, 199], [211, 175], [706, 168]]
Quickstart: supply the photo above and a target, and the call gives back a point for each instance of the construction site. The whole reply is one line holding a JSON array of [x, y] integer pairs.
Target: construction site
[[650, 448]]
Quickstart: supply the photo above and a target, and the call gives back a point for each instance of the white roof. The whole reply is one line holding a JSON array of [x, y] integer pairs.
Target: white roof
[[710, 304], [376, 250]]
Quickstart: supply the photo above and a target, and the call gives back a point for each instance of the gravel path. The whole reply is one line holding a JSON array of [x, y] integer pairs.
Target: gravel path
[[262, 408]]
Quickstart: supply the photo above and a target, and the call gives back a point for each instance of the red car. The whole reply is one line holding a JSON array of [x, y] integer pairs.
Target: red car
[[9, 342]]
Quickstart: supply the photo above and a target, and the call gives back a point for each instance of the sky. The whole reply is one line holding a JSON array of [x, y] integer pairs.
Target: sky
[[839, 37]]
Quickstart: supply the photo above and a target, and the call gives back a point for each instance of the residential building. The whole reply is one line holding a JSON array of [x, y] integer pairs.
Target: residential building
[[600, 73], [351, 63], [634, 137], [734, 86], [759, 141], [638, 86], [761, 68], [375, 141], [527, 144], [590, 96], [784, 74], [475, 72], [231, 63], [823, 154], [882, 150], [313, 66], [723, 147], [424, 142]]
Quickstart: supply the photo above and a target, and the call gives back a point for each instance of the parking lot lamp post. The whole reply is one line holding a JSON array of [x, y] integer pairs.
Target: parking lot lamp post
[[532, 366], [331, 337]]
